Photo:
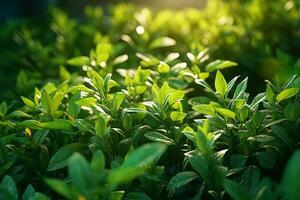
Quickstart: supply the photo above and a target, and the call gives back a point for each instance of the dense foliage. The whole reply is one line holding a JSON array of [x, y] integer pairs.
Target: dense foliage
[[135, 104]]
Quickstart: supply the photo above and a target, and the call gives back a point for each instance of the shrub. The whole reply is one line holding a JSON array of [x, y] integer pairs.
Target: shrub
[[134, 109]]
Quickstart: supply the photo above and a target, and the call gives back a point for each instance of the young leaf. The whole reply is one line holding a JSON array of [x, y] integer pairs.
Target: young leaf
[[286, 94], [162, 42], [79, 61], [163, 67], [226, 113], [3, 109], [87, 102], [220, 83], [219, 64], [59, 124], [101, 125], [46, 101], [28, 102], [270, 95], [204, 109], [117, 100], [177, 116]]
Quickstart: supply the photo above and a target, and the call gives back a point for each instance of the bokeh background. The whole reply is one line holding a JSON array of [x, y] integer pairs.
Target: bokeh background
[[36, 8], [263, 37]]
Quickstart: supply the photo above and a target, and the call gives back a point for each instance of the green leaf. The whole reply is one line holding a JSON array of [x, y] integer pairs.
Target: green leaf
[[103, 51], [73, 108], [291, 177], [98, 161], [117, 195], [231, 83], [101, 125], [81, 173], [177, 116], [282, 134], [3, 109], [63, 73], [79, 61], [226, 113], [175, 96], [136, 163], [28, 102], [60, 158], [204, 109], [22, 80], [181, 179], [40, 196], [124, 174], [60, 187], [10, 188], [236, 190], [163, 67], [80, 88], [50, 88], [240, 89], [165, 91], [286, 94], [37, 95], [106, 80], [145, 155], [270, 95], [158, 137], [266, 159], [120, 59], [291, 111], [137, 196], [200, 165], [127, 121], [140, 89], [219, 64], [220, 83], [56, 101], [87, 102], [97, 80], [237, 160], [262, 138], [117, 100], [29, 193], [162, 42], [60, 124], [204, 84], [257, 100], [46, 101], [156, 93]]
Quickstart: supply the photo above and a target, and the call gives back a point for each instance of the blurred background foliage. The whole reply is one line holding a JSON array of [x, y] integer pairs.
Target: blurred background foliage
[[38, 37]]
